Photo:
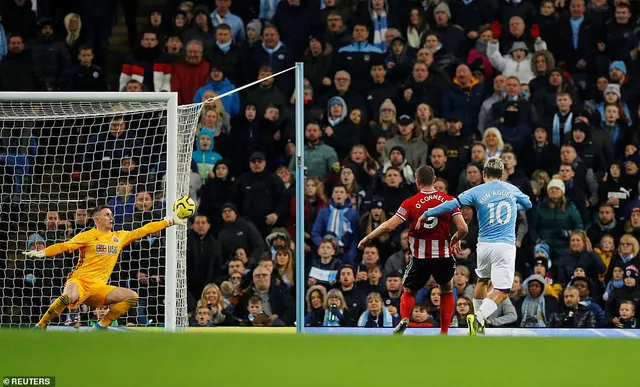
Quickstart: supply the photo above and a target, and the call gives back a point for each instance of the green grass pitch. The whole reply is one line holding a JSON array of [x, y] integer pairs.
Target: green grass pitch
[[282, 360]]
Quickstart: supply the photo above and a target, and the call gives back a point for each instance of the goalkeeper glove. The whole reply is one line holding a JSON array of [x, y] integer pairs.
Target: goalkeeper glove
[[175, 220], [34, 254]]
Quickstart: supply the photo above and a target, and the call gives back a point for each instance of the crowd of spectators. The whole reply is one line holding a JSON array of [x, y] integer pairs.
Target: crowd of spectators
[[550, 86]]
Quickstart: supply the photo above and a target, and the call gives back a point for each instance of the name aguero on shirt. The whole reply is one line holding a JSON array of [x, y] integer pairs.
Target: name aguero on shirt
[[487, 196], [427, 198]]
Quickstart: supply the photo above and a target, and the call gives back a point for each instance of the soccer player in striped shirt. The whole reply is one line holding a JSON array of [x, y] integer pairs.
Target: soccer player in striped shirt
[[497, 204], [99, 248], [430, 246]]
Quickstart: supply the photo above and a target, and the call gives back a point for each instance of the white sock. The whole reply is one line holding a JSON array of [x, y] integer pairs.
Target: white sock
[[486, 310], [476, 304]]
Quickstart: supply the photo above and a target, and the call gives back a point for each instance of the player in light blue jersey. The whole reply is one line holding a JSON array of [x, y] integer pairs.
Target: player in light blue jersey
[[497, 204]]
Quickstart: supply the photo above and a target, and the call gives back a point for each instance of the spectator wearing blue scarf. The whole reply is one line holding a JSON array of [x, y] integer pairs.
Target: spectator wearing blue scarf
[[376, 315], [339, 221]]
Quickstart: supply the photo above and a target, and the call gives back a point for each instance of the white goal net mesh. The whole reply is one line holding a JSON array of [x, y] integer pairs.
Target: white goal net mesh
[[58, 160]]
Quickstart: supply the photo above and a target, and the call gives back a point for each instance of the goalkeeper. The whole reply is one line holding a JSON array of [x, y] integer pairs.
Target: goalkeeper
[[99, 251]]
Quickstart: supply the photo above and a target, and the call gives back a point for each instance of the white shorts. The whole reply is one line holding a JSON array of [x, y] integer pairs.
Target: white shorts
[[498, 262]]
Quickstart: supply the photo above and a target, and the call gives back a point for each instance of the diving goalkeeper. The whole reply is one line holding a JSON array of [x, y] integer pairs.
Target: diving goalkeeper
[[99, 251]]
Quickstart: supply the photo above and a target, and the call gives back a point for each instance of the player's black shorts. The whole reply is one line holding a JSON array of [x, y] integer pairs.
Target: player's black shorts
[[418, 272]]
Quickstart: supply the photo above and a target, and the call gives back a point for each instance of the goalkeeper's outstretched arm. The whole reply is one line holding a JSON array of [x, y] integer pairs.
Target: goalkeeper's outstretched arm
[[152, 227], [59, 248]]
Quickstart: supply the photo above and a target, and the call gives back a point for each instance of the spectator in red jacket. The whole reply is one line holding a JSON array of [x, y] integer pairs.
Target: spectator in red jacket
[[190, 75]]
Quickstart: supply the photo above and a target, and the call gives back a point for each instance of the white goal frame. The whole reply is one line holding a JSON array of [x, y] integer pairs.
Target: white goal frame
[[171, 100]]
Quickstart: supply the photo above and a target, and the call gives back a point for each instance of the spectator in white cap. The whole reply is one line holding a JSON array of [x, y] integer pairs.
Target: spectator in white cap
[[553, 219]]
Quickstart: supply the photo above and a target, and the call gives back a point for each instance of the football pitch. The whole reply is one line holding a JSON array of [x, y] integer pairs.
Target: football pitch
[[266, 359]]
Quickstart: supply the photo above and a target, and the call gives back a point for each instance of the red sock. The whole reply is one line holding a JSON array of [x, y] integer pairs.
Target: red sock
[[447, 303], [407, 302]]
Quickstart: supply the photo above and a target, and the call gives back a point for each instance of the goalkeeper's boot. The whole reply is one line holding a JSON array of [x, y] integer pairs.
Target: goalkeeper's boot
[[475, 328], [402, 326], [37, 327], [98, 327]]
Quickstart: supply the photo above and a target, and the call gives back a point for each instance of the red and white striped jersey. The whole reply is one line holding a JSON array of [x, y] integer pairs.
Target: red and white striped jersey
[[432, 240]]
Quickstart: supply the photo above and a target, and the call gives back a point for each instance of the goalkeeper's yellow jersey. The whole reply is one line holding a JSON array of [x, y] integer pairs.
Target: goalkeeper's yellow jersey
[[99, 251]]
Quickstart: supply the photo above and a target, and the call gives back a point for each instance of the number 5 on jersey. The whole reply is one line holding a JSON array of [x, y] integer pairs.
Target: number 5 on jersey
[[430, 222]]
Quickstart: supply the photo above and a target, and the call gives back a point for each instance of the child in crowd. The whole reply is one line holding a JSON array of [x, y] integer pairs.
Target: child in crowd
[[373, 283], [204, 156], [325, 268], [541, 266], [626, 316], [605, 251], [420, 317], [616, 282], [203, 318]]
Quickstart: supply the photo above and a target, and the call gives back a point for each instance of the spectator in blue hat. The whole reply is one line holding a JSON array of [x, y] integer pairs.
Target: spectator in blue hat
[[339, 133], [36, 242]]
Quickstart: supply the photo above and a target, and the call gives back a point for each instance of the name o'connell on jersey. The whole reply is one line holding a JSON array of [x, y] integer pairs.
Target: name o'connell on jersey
[[426, 199]]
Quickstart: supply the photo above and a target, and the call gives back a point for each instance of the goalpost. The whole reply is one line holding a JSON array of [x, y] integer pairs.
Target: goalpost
[[62, 153], [53, 144]]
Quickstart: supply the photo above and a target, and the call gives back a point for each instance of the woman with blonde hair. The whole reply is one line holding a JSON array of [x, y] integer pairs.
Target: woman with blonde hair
[[284, 266], [376, 315], [627, 255], [221, 312], [216, 104], [581, 254], [74, 37], [386, 125], [461, 282], [553, 219], [334, 306], [212, 296], [492, 139]]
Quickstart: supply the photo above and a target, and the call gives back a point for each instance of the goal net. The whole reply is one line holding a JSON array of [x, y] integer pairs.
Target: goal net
[[62, 157]]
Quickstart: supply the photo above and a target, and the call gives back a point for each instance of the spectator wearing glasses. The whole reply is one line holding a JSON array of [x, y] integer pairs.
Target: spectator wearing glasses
[[627, 254]]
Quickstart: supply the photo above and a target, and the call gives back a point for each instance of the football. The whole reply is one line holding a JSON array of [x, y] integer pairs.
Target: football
[[184, 207]]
